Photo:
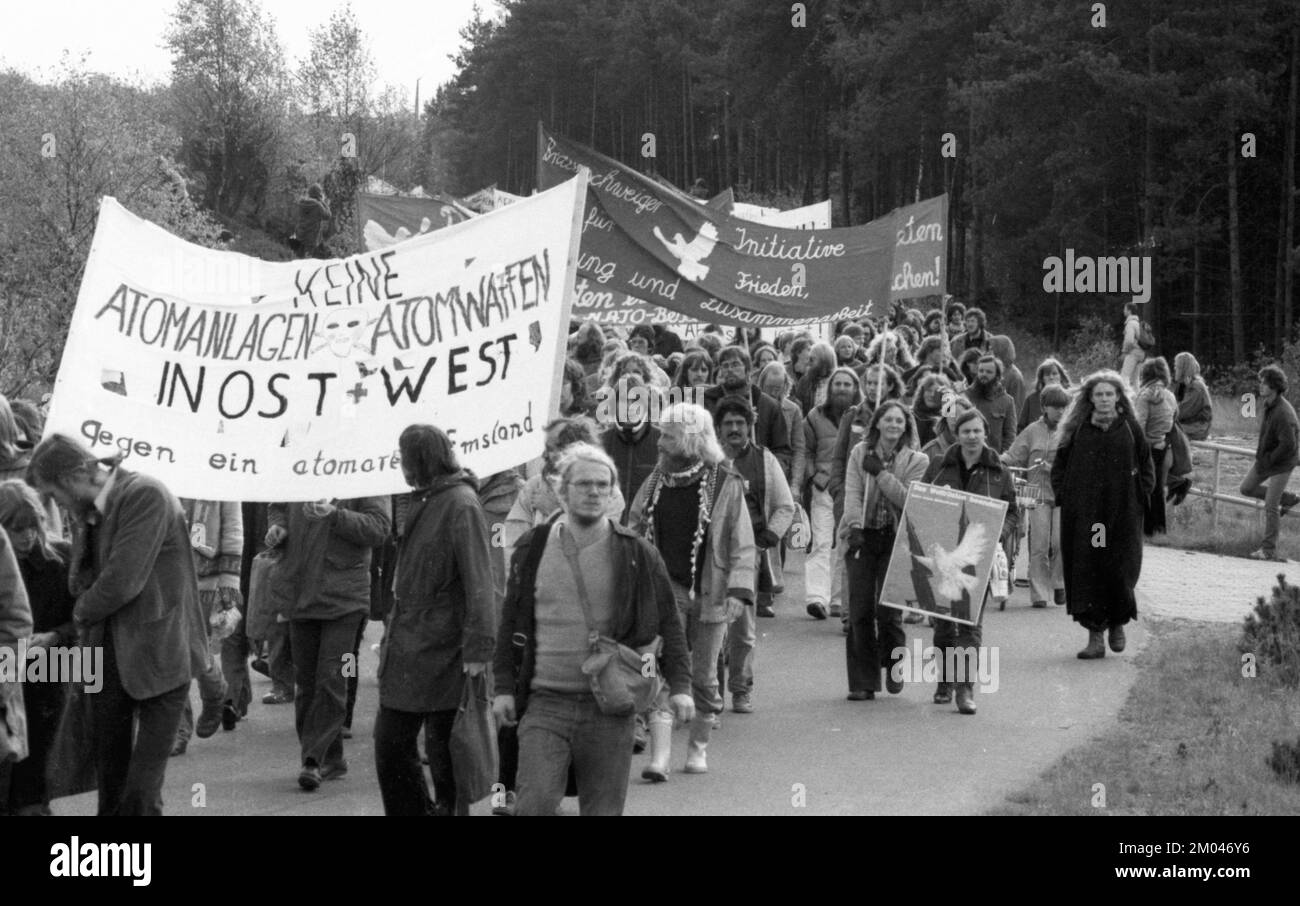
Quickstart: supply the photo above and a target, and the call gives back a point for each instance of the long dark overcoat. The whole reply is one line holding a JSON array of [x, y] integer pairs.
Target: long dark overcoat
[[444, 609], [1100, 478]]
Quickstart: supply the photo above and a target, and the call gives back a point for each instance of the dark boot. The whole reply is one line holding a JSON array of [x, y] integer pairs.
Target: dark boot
[[1117, 639], [966, 698], [943, 694], [1096, 646]]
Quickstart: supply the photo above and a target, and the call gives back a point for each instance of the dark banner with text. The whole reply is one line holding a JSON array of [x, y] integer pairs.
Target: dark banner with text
[[642, 240]]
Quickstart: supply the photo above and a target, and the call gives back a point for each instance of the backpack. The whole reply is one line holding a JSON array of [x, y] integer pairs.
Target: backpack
[[1146, 337]]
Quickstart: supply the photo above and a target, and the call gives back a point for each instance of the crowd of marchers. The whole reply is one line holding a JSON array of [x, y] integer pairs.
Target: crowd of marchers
[[667, 530]]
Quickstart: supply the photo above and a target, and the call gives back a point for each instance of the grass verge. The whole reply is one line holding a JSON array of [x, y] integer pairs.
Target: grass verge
[[1192, 738], [1240, 531]]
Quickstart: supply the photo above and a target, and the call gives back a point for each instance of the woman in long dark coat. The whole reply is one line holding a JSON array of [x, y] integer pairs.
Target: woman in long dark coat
[[441, 627], [1101, 478]]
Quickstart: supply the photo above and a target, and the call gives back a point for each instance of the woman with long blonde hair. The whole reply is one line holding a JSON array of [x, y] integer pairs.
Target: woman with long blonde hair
[[1101, 478]]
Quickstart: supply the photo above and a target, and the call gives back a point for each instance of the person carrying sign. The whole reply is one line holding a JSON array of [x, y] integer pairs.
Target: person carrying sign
[[970, 465]]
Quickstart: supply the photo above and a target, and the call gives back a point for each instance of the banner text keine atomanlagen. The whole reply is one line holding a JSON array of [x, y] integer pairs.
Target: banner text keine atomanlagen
[[280, 395]]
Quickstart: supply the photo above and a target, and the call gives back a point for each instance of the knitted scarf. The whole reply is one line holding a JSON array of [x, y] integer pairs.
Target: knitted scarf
[[709, 480]]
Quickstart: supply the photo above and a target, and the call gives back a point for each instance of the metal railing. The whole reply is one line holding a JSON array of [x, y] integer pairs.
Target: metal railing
[[1216, 496]]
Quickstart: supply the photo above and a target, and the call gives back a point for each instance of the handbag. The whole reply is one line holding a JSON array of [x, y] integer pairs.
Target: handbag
[[13, 722], [623, 680], [798, 535], [1176, 441], [474, 754], [999, 578], [261, 608], [70, 764]]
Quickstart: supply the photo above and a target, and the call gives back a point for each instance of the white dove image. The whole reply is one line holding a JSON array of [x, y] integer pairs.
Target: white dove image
[[690, 254], [948, 566], [376, 237]]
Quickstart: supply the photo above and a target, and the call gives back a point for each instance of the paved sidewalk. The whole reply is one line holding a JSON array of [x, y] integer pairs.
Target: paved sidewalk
[[1193, 585], [1190, 585]]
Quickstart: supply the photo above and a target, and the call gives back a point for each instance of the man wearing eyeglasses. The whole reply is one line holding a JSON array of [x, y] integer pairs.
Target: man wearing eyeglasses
[[580, 574]]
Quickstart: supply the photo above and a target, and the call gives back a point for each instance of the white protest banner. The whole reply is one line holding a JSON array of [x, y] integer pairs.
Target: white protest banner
[[809, 217], [746, 211], [230, 378], [943, 553]]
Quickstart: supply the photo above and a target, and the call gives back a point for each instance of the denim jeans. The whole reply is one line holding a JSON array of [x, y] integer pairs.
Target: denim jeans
[[212, 685], [397, 763], [131, 770], [1269, 490], [320, 700], [705, 641], [742, 636], [874, 631], [558, 729]]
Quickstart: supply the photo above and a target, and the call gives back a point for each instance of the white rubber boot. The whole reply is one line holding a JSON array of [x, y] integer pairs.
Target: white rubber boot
[[701, 726], [661, 746]]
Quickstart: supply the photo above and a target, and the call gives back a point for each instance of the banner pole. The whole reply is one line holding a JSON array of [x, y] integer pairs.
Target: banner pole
[[880, 375], [541, 146], [568, 290]]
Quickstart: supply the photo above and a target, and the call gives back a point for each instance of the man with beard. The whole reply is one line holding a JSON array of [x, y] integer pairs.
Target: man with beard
[[823, 572], [771, 510], [631, 440], [853, 427], [932, 358], [769, 424], [975, 337], [994, 403], [692, 509]]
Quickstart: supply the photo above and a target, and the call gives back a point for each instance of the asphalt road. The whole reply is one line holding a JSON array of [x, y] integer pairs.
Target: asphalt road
[[805, 750]]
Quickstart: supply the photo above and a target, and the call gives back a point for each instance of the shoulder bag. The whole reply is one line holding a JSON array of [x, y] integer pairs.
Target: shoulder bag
[[623, 680]]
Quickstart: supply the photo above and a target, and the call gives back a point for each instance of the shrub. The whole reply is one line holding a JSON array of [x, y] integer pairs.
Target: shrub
[[1090, 347], [1285, 760], [1243, 377], [1272, 632]]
